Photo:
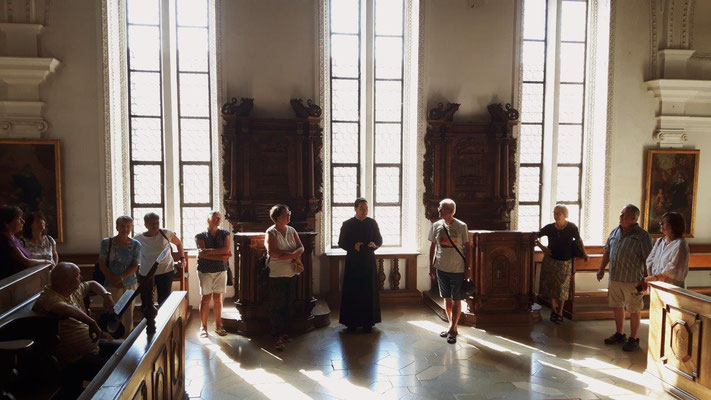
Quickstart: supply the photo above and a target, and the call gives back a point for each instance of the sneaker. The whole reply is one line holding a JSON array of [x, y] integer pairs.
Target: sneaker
[[616, 338], [631, 345]]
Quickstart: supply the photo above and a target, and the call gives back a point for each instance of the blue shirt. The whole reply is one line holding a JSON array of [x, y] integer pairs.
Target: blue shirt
[[121, 258]]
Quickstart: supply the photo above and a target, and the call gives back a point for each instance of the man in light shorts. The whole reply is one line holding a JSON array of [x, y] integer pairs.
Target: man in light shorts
[[626, 251], [212, 263]]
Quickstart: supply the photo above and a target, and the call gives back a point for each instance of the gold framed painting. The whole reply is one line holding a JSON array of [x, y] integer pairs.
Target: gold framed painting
[[31, 179], [671, 185]]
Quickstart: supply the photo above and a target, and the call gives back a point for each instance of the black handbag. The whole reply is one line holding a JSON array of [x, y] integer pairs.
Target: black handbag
[[577, 250], [468, 286], [98, 276]]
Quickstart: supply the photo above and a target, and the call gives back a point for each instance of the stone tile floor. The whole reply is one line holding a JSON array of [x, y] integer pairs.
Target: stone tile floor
[[404, 358]]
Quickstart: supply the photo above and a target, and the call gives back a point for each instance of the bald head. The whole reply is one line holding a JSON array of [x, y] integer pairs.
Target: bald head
[[65, 277]]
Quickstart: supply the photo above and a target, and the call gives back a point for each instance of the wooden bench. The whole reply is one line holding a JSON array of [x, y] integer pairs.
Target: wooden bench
[[590, 305]]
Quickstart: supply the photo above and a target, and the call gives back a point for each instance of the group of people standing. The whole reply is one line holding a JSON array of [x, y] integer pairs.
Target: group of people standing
[[24, 242], [632, 261]]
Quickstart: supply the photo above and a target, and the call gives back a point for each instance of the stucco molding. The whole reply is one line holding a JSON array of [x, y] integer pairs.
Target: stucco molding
[[653, 44]]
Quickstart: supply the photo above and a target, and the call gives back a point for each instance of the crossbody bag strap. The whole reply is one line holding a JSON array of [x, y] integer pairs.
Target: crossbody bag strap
[[452, 242]]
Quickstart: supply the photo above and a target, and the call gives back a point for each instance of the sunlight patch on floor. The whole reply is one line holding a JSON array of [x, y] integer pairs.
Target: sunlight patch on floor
[[340, 388]]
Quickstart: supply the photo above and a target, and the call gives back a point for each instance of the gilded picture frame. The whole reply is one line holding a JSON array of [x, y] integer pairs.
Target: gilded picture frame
[[32, 180], [671, 185]]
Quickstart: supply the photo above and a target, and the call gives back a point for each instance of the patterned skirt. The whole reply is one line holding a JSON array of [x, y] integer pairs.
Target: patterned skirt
[[555, 278]]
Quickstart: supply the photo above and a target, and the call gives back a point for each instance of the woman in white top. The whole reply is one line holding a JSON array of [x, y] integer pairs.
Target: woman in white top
[[283, 248], [669, 259], [36, 240]]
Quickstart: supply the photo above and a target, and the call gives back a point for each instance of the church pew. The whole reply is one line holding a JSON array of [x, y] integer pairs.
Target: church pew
[[678, 339], [147, 366], [590, 305]]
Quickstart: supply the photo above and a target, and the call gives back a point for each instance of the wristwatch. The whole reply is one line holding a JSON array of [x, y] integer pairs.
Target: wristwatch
[[107, 293]]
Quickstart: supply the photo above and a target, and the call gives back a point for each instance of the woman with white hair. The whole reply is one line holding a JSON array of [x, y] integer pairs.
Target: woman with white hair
[[563, 244]]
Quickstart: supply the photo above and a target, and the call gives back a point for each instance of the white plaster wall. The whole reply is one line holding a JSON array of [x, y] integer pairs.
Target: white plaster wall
[[268, 52], [72, 96]]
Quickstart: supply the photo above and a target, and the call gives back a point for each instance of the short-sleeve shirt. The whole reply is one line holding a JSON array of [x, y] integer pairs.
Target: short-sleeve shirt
[[41, 251], [282, 268], [121, 258], [628, 253], [8, 265], [446, 258], [74, 341], [212, 242], [560, 241], [670, 259], [151, 247]]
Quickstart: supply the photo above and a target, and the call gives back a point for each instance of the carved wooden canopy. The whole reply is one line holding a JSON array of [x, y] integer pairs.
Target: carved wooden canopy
[[271, 161], [473, 164]]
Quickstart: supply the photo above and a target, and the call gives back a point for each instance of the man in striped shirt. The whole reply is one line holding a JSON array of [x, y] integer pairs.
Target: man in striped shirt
[[626, 251]]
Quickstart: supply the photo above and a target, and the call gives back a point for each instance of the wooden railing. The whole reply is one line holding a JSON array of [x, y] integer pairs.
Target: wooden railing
[[390, 274], [148, 366], [679, 336]]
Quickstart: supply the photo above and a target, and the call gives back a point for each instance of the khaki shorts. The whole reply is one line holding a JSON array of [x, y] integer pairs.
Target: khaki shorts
[[212, 282], [624, 294]]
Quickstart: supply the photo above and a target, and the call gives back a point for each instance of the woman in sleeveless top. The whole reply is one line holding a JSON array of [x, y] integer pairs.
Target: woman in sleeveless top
[[36, 240], [283, 248]]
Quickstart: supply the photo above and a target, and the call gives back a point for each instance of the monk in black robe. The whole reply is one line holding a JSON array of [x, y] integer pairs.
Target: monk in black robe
[[360, 300]]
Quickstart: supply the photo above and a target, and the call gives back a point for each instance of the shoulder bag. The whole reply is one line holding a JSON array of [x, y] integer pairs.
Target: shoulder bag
[[98, 276], [468, 286]]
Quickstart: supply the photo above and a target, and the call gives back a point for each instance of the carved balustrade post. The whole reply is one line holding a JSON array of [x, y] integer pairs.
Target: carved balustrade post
[[395, 274], [381, 274]]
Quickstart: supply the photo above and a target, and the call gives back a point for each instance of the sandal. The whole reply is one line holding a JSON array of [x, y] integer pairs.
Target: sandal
[[203, 332], [279, 345], [221, 331], [452, 338], [285, 338], [446, 333]]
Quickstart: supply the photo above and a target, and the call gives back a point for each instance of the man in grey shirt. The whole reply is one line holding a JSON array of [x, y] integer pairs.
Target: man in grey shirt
[[445, 234], [626, 251]]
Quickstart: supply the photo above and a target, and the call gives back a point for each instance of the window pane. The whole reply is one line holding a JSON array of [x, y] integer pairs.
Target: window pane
[[144, 47], [529, 217], [194, 95], [344, 56], [338, 215], [194, 139], [138, 213], [387, 184], [569, 144], [192, 12], [572, 62], [345, 184], [192, 49], [145, 93], [387, 143], [344, 100], [532, 102], [344, 137], [388, 17], [196, 184], [529, 183], [194, 222], [533, 56], [389, 222], [574, 214], [568, 183], [573, 23], [571, 103], [531, 144], [388, 101], [388, 58], [534, 19], [147, 184], [344, 16], [143, 12], [146, 144]]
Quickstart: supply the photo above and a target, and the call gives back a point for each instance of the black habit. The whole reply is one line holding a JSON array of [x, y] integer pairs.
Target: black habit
[[360, 299]]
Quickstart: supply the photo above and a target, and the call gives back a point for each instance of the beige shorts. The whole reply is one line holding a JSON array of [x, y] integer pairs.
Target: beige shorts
[[624, 294], [212, 282]]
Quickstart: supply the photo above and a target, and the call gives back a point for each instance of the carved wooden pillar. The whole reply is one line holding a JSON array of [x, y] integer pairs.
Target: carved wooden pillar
[[395, 274], [381, 274]]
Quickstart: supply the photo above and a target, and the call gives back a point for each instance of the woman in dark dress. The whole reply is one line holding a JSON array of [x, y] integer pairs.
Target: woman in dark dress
[[563, 244], [360, 300]]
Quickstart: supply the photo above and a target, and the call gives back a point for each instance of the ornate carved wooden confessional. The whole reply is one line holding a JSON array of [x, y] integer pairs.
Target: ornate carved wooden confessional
[[267, 162], [474, 164]]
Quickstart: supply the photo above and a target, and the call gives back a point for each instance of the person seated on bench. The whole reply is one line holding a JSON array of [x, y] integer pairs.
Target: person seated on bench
[[13, 257], [78, 346]]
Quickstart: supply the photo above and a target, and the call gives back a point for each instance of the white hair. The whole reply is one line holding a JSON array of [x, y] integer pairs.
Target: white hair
[[448, 204]]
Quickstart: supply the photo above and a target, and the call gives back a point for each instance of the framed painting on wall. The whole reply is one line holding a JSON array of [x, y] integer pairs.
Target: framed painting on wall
[[31, 179], [671, 185]]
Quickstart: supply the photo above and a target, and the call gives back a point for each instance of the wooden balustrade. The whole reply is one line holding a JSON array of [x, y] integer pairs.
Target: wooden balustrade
[[394, 294], [678, 336]]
